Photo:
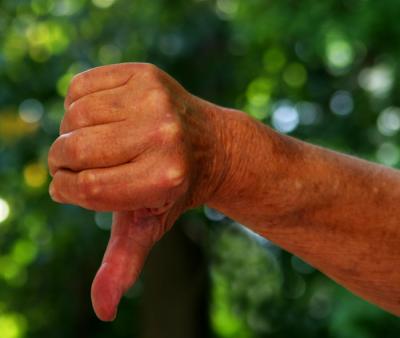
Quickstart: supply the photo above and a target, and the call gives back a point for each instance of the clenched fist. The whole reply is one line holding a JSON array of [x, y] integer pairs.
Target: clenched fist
[[134, 142]]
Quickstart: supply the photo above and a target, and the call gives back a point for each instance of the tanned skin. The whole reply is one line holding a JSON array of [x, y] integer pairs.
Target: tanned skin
[[134, 142]]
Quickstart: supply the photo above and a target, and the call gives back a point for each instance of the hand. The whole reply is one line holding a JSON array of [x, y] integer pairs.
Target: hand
[[133, 141]]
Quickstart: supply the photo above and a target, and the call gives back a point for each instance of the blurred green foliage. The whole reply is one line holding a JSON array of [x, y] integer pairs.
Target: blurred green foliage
[[324, 71]]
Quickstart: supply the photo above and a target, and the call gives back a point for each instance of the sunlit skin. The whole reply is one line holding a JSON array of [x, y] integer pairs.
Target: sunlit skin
[[134, 142]]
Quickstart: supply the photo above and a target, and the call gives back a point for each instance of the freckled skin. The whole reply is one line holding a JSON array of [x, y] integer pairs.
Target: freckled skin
[[134, 142], [337, 212]]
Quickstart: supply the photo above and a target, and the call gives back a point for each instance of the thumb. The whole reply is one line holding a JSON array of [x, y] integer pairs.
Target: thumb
[[132, 236]]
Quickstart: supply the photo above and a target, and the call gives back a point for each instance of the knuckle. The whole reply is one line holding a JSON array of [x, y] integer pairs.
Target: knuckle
[[170, 132], [173, 175], [87, 186], [150, 71], [160, 98]]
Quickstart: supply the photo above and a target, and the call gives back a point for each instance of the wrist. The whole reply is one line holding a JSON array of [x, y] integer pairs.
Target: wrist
[[238, 138], [260, 170], [210, 151]]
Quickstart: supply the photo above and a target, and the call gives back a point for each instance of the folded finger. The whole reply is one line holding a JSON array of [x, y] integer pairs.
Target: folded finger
[[94, 109], [126, 187], [96, 147], [101, 78]]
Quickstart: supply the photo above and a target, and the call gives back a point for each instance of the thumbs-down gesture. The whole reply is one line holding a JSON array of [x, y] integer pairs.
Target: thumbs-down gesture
[[134, 142]]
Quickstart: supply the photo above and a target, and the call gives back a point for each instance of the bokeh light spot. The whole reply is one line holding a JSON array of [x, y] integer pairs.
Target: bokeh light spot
[[274, 60], [295, 75], [103, 220], [63, 83], [259, 85], [339, 52], [258, 97], [38, 33], [341, 103], [320, 304], [8, 268], [389, 121], [377, 80], [47, 38], [309, 113], [67, 7], [103, 3], [41, 7], [227, 9], [4, 210], [285, 117], [12, 325], [14, 46], [388, 154], [171, 44], [24, 251], [224, 321], [31, 110], [12, 127], [35, 175]]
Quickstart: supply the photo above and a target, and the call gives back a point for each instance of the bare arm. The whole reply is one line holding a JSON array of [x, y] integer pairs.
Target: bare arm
[[339, 213], [134, 142]]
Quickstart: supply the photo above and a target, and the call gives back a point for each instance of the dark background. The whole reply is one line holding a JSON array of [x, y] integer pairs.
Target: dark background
[[323, 71]]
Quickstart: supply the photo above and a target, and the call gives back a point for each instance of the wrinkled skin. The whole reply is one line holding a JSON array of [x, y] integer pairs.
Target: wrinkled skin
[[134, 142]]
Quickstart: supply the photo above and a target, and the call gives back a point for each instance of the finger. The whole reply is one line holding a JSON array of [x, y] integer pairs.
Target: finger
[[96, 147], [94, 109], [126, 187], [133, 235], [101, 78]]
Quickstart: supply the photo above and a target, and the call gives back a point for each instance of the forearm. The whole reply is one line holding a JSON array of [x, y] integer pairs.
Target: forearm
[[172, 151], [337, 212]]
